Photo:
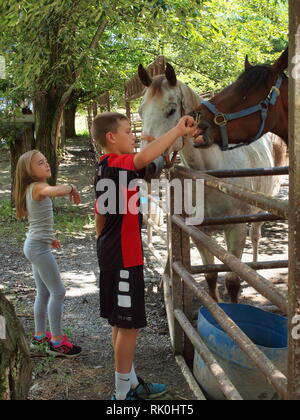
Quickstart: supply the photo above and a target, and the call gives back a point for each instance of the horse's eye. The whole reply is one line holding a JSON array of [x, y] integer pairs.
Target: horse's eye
[[172, 112]]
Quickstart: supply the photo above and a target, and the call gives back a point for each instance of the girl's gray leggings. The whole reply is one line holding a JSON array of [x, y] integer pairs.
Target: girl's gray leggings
[[50, 289]]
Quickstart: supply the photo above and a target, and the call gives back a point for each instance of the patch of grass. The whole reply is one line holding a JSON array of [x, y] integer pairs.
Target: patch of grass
[[10, 227], [83, 133], [69, 221]]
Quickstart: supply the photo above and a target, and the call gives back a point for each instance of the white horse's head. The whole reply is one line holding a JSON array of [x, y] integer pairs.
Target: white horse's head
[[166, 100]]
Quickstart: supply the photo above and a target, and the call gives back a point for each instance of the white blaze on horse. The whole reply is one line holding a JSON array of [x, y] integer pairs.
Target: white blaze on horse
[[164, 102]]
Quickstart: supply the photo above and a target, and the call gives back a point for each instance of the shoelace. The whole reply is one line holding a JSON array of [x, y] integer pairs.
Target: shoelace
[[144, 385]]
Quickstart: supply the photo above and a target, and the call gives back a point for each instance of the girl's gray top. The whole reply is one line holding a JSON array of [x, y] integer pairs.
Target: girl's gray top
[[40, 218]]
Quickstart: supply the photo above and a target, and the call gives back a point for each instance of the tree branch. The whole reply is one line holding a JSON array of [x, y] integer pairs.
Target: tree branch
[[93, 44], [195, 70], [66, 96]]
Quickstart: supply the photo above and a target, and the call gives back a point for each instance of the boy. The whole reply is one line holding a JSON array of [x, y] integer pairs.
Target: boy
[[119, 245]]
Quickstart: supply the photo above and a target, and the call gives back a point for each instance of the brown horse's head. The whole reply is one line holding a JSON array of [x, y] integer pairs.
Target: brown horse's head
[[252, 88]]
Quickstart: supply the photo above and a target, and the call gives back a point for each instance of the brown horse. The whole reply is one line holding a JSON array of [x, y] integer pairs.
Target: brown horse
[[257, 103]]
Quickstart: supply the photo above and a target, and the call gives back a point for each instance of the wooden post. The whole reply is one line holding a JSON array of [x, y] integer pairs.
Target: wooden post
[[128, 110], [294, 204], [15, 363], [108, 102]]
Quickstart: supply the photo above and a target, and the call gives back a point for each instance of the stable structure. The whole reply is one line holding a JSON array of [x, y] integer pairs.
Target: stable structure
[[294, 204], [180, 286]]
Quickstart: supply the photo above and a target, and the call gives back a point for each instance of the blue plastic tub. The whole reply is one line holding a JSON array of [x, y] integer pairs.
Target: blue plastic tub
[[267, 330]]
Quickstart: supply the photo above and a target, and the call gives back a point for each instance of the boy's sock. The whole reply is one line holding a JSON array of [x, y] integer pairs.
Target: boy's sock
[[123, 382], [134, 382]]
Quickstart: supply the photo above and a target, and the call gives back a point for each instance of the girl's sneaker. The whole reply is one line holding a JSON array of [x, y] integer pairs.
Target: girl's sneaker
[[64, 349], [44, 340]]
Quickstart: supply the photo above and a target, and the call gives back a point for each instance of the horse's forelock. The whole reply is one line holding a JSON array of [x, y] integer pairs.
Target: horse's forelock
[[156, 86], [255, 77]]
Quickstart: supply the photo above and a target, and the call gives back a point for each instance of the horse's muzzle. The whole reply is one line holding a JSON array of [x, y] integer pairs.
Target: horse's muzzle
[[206, 131]]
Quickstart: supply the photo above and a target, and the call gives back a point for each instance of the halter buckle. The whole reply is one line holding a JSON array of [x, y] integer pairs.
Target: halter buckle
[[274, 89], [220, 122], [272, 98]]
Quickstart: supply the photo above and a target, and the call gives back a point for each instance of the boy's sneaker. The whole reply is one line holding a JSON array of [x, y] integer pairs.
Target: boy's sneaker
[[149, 391], [130, 396], [64, 349], [44, 340]]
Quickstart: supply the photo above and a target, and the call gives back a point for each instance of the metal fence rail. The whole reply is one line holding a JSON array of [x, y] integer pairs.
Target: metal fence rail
[[180, 284], [273, 205], [262, 285], [274, 376], [226, 385]]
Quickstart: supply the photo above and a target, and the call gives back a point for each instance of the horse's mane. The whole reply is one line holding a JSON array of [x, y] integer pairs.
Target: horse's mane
[[255, 77]]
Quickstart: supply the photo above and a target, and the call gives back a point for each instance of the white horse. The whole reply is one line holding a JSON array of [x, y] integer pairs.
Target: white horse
[[164, 102]]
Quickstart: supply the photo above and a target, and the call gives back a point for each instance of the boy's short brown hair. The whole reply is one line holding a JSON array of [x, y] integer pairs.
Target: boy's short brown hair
[[105, 123]]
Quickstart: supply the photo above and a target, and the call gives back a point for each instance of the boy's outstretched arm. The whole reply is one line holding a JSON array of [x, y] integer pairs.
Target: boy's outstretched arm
[[185, 126]]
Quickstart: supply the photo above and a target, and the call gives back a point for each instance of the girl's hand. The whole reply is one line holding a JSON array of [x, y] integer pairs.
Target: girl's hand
[[75, 196], [55, 244]]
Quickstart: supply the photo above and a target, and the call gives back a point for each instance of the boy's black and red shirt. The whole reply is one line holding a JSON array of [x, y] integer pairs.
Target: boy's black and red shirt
[[120, 243]]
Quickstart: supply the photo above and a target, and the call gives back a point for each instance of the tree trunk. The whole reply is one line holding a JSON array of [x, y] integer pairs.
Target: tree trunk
[[15, 362], [70, 113], [45, 107], [24, 141]]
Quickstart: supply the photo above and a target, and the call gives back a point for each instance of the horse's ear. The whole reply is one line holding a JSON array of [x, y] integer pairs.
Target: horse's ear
[[247, 63], [283, 61], [171, 75], [144, 76]]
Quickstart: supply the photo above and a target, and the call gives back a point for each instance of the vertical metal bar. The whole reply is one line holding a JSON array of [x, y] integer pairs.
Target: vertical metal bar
[[176, 281], [149, 227], [294, 204], [189, 349]]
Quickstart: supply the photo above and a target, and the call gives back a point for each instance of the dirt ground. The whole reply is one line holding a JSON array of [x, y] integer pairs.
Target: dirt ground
[[91, 375]]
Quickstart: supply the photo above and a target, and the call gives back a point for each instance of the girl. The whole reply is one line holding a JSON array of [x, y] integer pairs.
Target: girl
[[33, 199]]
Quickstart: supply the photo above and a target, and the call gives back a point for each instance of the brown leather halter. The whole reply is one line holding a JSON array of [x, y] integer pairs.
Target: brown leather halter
[[169, 162]]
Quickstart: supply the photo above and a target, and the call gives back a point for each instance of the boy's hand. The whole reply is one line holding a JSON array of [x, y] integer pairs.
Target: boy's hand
[[187, 126]]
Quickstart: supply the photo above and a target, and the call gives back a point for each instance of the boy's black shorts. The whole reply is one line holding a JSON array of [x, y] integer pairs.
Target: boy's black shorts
[[122, 297]]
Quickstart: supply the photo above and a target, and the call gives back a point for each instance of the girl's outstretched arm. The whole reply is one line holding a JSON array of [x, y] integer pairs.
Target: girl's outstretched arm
[[42, 190]]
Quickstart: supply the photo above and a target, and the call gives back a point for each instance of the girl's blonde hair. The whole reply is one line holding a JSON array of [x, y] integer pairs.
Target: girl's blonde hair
[[23, 179]]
